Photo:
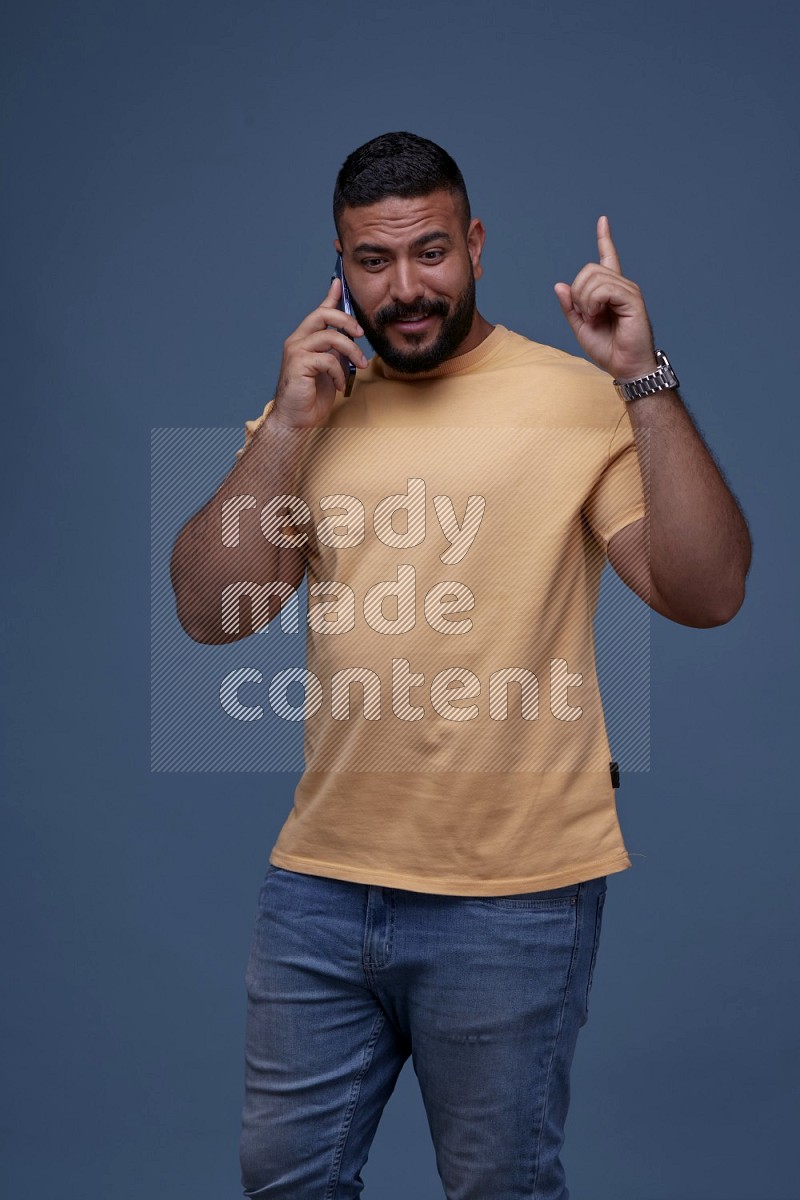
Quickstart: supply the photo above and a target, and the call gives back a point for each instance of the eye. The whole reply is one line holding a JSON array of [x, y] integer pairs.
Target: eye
[[427, 252], [368, 262]]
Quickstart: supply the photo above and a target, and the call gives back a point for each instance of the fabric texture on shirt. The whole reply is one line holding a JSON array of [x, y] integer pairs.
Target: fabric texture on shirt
[[457, 524]]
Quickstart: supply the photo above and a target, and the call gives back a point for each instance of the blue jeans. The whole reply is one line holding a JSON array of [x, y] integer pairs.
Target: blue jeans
[[486, 994]]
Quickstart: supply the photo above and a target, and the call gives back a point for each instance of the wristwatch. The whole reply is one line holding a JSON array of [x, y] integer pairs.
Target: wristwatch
[[657, 381]]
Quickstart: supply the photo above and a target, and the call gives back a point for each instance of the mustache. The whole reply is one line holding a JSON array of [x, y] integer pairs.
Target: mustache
[[404, 314]]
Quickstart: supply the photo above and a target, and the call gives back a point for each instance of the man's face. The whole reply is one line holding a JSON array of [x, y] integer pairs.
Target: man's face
[[393, 274]]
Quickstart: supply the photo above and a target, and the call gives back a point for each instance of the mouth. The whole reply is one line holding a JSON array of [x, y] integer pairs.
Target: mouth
[[408, 325]]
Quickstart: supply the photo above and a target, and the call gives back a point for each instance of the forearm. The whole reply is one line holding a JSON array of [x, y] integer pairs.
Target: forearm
[[223, 544], [699, 543]]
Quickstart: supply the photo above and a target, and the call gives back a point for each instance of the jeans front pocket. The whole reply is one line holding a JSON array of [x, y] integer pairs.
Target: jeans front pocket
[[598, 921], [547, 896]]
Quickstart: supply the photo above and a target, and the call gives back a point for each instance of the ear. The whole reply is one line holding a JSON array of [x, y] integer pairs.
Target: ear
[[337, 245], [475, 241]]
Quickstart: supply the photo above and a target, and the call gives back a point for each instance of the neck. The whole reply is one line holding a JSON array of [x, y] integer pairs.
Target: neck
[[478, 333]]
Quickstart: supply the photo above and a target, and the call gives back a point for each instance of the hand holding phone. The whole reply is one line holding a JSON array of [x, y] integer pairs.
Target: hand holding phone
[[316, 362]]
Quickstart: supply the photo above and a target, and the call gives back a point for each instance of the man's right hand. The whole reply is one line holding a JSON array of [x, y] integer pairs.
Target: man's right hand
[[310, 375]]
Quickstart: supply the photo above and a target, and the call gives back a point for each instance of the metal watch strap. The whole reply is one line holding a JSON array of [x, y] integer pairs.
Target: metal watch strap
[[657, 381]]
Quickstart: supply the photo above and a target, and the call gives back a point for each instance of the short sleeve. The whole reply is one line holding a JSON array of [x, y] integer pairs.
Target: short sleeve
[[250, 427], [617, 498]]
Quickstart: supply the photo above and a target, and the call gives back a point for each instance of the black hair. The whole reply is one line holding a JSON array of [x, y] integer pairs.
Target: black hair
[[397, 164]]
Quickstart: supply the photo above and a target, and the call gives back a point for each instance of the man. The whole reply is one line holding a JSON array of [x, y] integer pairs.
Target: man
[[437, 890]]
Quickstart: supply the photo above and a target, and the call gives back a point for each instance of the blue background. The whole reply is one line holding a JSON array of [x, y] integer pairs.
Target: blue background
[[168, 176]]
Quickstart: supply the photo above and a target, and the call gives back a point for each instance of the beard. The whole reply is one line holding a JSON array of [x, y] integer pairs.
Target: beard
[[455, 326]]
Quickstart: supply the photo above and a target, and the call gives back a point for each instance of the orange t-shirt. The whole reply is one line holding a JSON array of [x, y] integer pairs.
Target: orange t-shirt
[[456, 525]]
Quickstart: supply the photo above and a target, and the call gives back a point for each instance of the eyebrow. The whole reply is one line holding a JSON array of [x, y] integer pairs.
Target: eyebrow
[[438, 235]]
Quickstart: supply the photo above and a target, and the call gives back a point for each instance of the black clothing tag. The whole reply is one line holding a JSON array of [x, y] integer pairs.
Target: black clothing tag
[[614, 766]]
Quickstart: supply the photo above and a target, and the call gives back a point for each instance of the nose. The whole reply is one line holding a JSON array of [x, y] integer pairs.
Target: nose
[[405, 286]]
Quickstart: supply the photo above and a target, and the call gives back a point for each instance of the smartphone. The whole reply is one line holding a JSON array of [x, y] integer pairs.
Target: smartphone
[[345, 305]]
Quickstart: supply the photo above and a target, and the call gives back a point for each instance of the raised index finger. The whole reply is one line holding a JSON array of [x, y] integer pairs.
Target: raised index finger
[[607, 250]]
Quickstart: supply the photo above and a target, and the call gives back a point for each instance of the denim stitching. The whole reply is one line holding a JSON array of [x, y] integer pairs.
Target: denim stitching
[[597, 919], [355, 1091], [575, 951]]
